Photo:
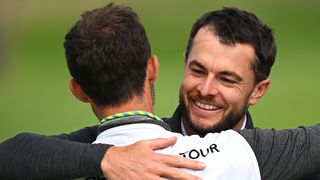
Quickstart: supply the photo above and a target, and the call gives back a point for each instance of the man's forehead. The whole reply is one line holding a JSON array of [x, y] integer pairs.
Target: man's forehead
[[207, 33], [206, 51]]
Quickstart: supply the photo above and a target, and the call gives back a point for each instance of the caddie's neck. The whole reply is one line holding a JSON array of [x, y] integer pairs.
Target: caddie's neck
[[135, 104], [145, 102]]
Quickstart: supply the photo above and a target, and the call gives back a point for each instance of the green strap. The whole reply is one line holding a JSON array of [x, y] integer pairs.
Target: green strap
[[130, 113]]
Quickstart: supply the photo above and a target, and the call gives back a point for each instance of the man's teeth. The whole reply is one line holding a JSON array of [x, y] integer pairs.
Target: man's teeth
[[206, 106]]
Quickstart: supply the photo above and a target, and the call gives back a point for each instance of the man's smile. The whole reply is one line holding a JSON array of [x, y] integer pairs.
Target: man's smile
[[206, 106]]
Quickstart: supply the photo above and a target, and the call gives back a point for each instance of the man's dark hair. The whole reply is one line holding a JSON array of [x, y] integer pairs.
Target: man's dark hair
[[233, 26], [107, 52]]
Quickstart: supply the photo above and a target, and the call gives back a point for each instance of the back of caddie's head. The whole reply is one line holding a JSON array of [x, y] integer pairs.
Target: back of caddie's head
[[107, 53]]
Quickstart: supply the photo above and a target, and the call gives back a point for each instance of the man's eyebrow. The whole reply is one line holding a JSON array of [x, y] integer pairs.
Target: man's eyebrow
[[233, 74], [194, 62]]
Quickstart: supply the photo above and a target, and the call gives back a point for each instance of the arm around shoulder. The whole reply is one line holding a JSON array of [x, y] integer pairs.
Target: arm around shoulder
[[33, 156]]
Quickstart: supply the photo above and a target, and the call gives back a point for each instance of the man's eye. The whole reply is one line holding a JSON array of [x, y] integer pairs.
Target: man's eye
[[197, 71], [227, 80]]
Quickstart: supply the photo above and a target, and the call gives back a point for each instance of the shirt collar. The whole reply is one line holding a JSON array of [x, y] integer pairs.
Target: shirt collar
[[133, 119]]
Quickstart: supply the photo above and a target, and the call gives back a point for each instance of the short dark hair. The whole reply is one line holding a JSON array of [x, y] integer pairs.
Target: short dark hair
[[233, 26], [107, 53]]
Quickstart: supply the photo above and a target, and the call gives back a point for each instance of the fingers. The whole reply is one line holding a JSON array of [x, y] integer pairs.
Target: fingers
[[160, 143], [172, 160], [170, 164], [181, 162]]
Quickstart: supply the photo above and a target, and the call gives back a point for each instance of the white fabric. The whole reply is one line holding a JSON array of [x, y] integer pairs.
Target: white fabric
[[227, 155], [244, 123]]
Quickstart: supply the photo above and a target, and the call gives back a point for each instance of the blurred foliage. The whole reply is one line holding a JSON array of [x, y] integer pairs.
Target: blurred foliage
[[33, 75]]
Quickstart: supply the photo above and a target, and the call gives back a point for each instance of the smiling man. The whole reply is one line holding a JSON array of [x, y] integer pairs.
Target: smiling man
[[218, 85], [228, 59]]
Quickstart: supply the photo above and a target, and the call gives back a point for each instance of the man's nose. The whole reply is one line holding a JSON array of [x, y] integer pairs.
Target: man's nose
[[208, 87]]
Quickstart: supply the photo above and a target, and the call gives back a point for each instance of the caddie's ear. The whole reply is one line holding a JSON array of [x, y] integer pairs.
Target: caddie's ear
[[259, 91], [153, 68], [77, 91]]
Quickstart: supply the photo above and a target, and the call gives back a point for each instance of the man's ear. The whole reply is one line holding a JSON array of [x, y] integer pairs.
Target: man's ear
[[184, 58], [153, 68], [259, 91], [77, 91]]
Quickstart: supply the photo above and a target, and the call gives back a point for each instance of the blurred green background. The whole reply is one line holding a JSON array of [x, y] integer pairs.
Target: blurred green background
[[34, 95]]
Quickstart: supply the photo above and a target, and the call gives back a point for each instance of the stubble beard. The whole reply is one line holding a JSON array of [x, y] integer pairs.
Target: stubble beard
[[228, 122]]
